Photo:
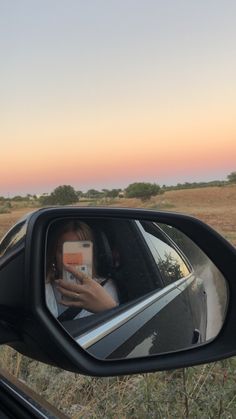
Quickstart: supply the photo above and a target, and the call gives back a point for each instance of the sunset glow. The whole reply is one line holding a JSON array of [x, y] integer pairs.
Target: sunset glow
[[124, 92]]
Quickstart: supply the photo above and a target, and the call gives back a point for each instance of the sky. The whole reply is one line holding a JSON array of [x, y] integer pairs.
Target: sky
[[100, 94]]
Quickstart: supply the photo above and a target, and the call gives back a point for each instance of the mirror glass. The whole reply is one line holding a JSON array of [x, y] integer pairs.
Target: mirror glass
[[126, 288]]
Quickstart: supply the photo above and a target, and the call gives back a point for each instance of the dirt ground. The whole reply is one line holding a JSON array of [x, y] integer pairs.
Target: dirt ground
[[8, 220], [215, 205]]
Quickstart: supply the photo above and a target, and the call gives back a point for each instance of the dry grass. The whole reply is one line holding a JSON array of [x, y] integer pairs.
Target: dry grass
[[8, 220], [206, 391], [215, 205]]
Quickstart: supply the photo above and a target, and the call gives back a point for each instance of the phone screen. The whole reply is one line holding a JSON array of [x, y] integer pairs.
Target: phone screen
[[79, 255]]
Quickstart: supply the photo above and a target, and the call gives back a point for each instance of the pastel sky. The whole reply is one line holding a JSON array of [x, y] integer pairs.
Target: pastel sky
[[102, 93]]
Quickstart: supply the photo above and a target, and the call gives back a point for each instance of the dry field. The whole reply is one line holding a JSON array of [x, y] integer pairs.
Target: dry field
[[8, 220], [216, 206]]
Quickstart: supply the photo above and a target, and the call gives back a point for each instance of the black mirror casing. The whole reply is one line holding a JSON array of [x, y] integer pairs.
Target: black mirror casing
[[29, 327]]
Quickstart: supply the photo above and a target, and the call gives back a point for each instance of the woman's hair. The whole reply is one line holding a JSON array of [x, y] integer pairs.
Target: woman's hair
[[83, 232]]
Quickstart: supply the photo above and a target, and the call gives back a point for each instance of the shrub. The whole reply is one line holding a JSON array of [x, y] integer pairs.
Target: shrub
[[4, 209], [142, 190]]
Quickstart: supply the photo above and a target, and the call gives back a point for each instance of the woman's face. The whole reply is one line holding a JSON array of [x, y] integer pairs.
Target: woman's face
[[69, 236]]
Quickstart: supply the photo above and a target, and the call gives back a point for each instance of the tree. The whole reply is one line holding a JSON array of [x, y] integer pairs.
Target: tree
[[18, 198], [93, 193], [232, 177], [113, 193], [62, 195], [142, 190], [79, 194]]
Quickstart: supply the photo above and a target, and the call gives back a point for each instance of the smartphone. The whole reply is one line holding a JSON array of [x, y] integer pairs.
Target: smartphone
[[79, 255]]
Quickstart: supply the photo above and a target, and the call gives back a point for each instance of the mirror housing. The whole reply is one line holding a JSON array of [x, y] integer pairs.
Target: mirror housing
[[28, 326]]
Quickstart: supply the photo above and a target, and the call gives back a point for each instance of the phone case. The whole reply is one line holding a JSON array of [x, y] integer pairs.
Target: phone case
[[79, 255]]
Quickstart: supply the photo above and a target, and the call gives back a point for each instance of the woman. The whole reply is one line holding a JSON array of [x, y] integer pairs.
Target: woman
[[88, 294]]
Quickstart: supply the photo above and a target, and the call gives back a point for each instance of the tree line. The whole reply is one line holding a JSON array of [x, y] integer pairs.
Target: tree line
[[231, 178], [66, 194]]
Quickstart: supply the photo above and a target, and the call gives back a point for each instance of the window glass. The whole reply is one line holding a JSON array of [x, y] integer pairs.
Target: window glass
[[186, 245], [170, 263]]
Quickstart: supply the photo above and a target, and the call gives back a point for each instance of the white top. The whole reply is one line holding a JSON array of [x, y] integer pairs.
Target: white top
[[53, 296]]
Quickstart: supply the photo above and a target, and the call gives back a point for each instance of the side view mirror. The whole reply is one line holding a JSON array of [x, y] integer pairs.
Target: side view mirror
[[117, 291]]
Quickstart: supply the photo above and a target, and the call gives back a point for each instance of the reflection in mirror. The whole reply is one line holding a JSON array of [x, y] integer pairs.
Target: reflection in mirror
[[132, 288]]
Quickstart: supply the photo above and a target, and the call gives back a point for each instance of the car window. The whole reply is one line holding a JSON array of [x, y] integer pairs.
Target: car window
[[186, 245], [171, 265]]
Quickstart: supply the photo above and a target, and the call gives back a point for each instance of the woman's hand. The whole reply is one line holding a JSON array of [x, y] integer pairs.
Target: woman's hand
[[88, 294]]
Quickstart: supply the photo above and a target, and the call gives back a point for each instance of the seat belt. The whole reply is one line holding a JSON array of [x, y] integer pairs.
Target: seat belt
[[69, 314]]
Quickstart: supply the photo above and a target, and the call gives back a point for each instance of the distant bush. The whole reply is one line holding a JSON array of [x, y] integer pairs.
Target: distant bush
[[194, 185], [232, 177], [113, 193], [142, 190], [93, 194], [5, 209], [18, 198], [62, 195]]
